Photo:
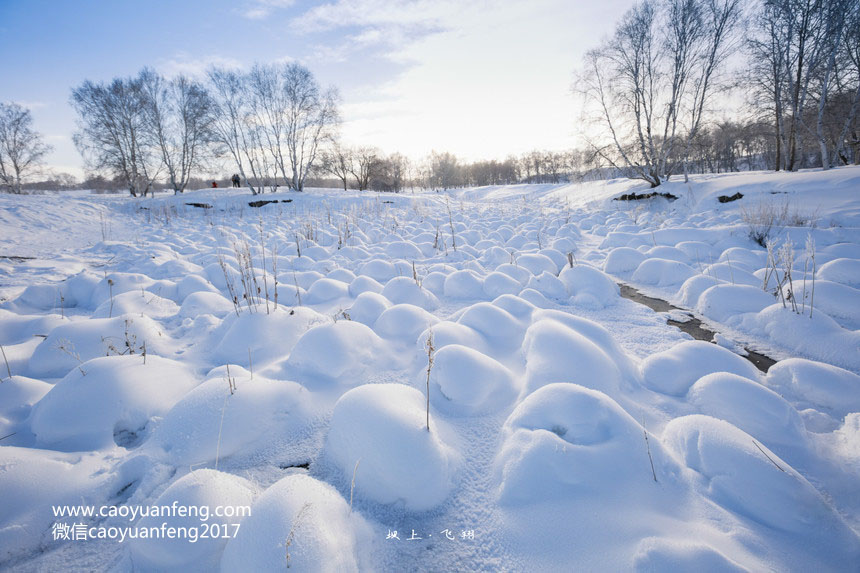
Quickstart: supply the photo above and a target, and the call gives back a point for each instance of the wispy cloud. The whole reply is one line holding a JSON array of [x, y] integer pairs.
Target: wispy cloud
[[262, 8], [184, 64]]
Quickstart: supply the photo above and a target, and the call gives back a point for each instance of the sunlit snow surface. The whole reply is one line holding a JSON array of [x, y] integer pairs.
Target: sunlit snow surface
[[569, 428]]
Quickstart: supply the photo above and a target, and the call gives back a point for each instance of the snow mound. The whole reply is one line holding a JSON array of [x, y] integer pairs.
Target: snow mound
[[403, 322], [557, 353], [814, 384], [548, 285], [760, 412], [464, 284], [16, 328], [136, 302], [724, 301], [590, 287], [404, 290], [17, 396], [379, 270], [201, 491], [693, 288], [564, 439], [537, 264], [845, 271], [70, 344], [665, 554], [661, 272], [362, 284], [673, 371], [498, 284], [818, 337], [748, 479], [209, 421], [199, 303], [333, 350], [464, 381], [33, 480], [621, 260], [367, 307], [302, 517], [384, 426], [112, 403], [261, 337], [326, 290], [497, 325]]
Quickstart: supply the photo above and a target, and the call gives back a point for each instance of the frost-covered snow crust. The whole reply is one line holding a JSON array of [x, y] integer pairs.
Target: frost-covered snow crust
[[569, 428]]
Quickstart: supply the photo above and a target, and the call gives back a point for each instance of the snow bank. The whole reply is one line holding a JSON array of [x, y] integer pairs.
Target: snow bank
[[202, 491], [673, 371], [384, 426], [112, 403], [304, 519], [819, 337]]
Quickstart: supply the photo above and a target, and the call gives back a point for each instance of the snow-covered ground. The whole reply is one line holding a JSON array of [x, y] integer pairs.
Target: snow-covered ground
[[276, 358]]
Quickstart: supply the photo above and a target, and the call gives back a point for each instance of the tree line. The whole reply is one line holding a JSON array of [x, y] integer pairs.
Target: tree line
[[652, 89], [653, 94]]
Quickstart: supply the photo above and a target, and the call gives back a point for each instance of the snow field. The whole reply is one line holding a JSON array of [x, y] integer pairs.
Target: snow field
[[586, 421]]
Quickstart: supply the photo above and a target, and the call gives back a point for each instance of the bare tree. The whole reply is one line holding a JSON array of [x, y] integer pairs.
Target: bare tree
[[21, 147], [269, 112], [338, 162], [112, 132], [233, 127], [364, 161], [654, 73], [716, 40], [179, 116], [837, 15], [852, 67], [311, 117]]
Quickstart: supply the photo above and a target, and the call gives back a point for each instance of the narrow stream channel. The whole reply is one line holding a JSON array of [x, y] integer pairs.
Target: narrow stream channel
[[693, 327]]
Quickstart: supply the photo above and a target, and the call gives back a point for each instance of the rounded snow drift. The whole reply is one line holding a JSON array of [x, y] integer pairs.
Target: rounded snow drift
[[202, 492], [384, 426]]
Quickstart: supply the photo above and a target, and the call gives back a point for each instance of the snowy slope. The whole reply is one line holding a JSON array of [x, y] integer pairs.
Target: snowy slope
[[199, 351]]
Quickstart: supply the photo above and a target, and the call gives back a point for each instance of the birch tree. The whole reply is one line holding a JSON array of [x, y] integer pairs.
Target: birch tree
[[311, 118], [179, 117], [21, 147], [112, 132]]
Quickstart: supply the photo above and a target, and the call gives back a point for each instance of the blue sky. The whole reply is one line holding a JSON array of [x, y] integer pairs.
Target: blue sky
[[481, 79]]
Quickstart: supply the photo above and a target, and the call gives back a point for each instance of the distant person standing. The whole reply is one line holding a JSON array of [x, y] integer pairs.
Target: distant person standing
[[214, 185], [235, 180]]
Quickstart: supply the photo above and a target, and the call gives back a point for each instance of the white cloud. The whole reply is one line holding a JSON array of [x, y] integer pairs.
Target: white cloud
[[262, 8], [482, 79], [194, 67]]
